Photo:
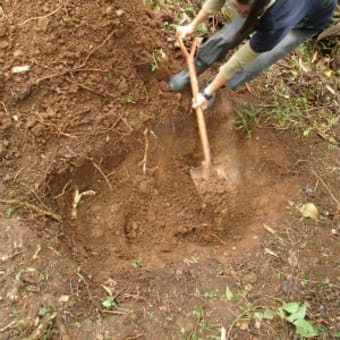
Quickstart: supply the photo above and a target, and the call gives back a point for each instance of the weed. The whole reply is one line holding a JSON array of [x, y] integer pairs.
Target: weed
[[202, 29], [157, 54], [137, 263], [230, 296], [203, 329], [168, 28], [45, 310], [154, 4], [295, 314], [190, 10], [109, 303], [210, 294], [245, 117], [127, 100]]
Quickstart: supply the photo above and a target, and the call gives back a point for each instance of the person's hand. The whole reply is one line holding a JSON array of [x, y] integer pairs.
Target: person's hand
[[200, 102], [185, 30]]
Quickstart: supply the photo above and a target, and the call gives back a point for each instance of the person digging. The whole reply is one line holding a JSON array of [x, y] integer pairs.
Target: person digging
[[276, 27]]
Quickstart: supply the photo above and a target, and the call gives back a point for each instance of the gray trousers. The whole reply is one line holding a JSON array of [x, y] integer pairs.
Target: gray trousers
[[220, 43]]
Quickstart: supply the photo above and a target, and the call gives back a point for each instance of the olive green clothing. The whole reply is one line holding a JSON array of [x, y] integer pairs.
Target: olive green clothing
[[213, 6], [244, 56]]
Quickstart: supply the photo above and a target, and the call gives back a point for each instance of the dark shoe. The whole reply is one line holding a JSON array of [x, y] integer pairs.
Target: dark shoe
[[182, 79]]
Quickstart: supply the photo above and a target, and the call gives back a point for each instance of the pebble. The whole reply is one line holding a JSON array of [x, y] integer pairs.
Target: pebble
[[4, 45], [18, 54]]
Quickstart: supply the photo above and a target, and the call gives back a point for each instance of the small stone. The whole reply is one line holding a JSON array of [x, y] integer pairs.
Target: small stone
[[4, 45], [2, 30], [109, 10], [2, 149], [144, 187], [119, 12], [123, 86], [18, 54], [30, 122], [42, 24]]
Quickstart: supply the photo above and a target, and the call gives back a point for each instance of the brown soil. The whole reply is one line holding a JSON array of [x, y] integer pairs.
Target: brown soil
[[91, 117]]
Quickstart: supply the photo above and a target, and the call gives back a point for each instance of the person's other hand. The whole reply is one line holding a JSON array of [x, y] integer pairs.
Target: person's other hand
[[185, 30], [200, 102]]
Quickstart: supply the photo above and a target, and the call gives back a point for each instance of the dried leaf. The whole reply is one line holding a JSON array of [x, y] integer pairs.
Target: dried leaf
[[309, 210], [270, 252]]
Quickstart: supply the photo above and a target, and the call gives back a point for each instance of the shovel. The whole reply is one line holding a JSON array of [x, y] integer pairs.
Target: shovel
[[209, 180]]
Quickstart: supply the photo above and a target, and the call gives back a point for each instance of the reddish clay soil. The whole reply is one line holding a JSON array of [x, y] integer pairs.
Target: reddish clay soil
[[90, 117]]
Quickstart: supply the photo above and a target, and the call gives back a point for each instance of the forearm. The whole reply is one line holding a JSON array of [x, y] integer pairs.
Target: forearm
[[200, 17]]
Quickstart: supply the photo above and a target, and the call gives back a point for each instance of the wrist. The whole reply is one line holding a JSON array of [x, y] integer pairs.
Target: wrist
[[206, 94]]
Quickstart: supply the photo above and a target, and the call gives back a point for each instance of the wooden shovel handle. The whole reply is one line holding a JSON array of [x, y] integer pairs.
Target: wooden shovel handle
[[189, 57]]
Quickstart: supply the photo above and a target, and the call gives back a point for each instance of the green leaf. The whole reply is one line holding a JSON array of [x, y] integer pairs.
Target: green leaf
[[258, 316], [77, 324], [336, 334], [230, 296], [268, 314], [305, 329], [299, 315], [281, 313], [45, 310], [109, 302], [290, 307], [10, 212], [88, 322]]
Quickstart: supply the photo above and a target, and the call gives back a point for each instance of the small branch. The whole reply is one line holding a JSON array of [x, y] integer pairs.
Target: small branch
[[61, 133], [327, 188], [64, 189], [41, 17], [10, 325], [102, 173], [82, 65], [4, 106], [142, 163], [54, 216], [43, 326]]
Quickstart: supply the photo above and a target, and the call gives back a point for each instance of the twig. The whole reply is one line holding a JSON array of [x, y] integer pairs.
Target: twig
[[102, 173], [40, 330], [136, 337], [330, 193], [10, 325], [236, 321], [144, 160], [217, 238], [62, 330], [4, 106], [101, 131], [64, 189], [41, 17], [41, 121], [327, 188], [82, 65], [126, 123], [54, 216]]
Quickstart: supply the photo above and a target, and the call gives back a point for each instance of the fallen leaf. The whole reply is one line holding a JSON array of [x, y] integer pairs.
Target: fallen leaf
[[270, 252], [309, 210]]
